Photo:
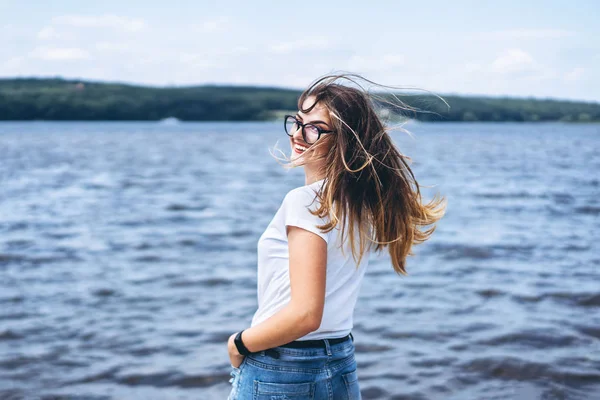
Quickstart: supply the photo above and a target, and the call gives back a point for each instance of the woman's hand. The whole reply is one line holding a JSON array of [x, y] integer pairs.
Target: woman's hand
[[234, 356]]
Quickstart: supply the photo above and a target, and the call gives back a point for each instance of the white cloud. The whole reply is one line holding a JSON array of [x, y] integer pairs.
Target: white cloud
[[211, 59], [239, 50], [117, 47], [314, 43], [59, 53], [47, 33], [575, 74], [214, 25], [516, 64], [393, 60], [358, 63], [471, 67], [375, 62], [528, 34], [13, 66], [513, 60], [101, 21], [14, 62], [197, 60]]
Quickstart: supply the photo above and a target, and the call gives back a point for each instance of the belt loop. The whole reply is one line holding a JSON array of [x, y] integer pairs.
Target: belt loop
[[272, 352], [327, 346], [351, 337]]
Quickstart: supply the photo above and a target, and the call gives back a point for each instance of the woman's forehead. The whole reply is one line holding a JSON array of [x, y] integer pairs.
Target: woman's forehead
[[318, 112]]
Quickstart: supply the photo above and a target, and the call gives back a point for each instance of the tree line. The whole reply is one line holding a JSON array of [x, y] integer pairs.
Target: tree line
[[25, 99]]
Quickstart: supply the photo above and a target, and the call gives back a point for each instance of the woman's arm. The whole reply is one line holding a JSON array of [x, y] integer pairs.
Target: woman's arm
[[303, 314]]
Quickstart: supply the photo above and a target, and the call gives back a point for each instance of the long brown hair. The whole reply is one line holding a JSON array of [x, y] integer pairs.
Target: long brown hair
[[369, 182]]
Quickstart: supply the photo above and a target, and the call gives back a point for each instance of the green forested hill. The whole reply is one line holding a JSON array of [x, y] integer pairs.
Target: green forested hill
[[59, 99]]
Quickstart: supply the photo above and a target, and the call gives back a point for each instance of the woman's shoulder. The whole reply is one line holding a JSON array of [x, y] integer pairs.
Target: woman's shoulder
[[311, 189], [298, 207], [306, 195]]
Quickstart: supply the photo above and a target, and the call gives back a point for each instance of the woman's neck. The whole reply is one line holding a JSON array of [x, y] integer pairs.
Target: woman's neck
[[310, 179]]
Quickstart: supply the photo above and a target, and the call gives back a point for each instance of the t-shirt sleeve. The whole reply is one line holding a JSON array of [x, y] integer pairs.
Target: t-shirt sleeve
[[296, 207]]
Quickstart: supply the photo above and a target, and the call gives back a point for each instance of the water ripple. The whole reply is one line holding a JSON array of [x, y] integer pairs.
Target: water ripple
[[128, 258]]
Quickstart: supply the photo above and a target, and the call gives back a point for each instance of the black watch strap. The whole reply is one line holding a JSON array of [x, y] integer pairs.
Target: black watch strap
[[242, 349]]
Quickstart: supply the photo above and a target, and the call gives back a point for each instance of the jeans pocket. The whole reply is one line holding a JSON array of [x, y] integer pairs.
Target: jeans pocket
[[235, 379], [292, 391], [238, 368], [352, 386], [234, 383], [233, 373]]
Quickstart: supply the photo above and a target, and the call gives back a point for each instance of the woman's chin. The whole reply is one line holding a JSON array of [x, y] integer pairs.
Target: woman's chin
[[295, 156]]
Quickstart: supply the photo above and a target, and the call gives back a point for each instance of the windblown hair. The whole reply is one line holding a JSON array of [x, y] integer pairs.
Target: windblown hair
[[368, 180]]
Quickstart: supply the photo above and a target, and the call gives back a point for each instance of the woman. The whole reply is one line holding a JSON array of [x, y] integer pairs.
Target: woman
[[360, 196]]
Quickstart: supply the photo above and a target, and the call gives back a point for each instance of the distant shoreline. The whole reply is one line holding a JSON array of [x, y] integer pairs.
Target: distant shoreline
[[33, 99]]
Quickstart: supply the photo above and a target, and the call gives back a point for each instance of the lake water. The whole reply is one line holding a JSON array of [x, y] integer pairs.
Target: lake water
[[128, 257]]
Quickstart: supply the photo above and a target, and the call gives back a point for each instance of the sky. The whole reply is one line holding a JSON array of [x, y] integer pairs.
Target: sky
[[542, 49]]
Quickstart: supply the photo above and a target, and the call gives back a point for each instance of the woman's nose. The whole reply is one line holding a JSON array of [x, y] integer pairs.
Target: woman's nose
[[298, 135]]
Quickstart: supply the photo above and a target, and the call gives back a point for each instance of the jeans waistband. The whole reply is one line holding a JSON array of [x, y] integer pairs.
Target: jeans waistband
[[309, 344], [318, 343]]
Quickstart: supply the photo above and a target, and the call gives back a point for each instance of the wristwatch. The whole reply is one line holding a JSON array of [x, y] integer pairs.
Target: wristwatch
[[242, 349]]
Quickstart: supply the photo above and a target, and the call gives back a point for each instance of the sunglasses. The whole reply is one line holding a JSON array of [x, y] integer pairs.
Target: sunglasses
[[310, 133]]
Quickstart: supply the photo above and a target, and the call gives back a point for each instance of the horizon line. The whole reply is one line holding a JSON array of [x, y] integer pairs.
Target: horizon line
[[259, 86]]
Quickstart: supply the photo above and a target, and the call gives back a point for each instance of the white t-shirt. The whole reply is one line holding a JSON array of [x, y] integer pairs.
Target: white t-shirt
[[343, 278]]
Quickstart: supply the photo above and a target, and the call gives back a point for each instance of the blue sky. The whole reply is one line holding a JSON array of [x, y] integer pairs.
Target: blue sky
[[540, 49]]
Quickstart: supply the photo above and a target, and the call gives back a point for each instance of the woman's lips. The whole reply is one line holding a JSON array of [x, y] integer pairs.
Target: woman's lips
[[299, 148]]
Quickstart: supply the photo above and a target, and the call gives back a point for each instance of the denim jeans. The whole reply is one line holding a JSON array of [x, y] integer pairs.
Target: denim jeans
[[281, 373]]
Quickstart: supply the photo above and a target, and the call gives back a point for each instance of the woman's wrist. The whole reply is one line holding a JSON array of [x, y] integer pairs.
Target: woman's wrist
[[240, 345], [231, 345]]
